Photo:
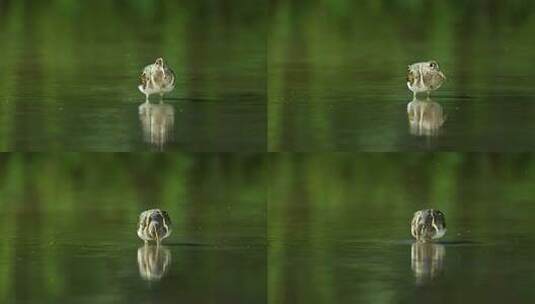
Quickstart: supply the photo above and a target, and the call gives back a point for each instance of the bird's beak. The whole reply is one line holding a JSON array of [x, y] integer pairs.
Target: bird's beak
[[442, 75]]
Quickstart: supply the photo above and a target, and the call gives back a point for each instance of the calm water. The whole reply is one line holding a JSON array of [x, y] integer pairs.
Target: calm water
[[69, 86], [69, 229], [336, 85], [338, 228]]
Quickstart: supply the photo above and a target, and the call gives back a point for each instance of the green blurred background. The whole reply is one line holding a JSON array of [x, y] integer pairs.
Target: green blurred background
[[337, 68], [339, 227], [71, 71], [70, 220]]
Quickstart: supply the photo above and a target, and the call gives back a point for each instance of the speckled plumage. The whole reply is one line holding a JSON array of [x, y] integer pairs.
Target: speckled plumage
[[428, 224], [154, 225], [156, 78], [424, 77]]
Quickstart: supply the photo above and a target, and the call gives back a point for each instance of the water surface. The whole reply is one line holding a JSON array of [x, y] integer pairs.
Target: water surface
[[71, 70], [339, 228], [336, 75], [69, 229]]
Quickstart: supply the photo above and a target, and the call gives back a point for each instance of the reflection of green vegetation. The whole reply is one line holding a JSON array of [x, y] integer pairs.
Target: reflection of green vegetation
[[322, 207], [323, 52], [69, 221]]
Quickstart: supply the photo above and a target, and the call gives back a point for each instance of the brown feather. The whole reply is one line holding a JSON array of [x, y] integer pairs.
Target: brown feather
[[410, 77], [143, 79]]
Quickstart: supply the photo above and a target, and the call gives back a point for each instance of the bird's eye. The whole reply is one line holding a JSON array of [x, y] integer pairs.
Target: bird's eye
[[432, 65]]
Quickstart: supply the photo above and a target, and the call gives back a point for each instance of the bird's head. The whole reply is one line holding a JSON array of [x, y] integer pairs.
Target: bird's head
[[159, 224]]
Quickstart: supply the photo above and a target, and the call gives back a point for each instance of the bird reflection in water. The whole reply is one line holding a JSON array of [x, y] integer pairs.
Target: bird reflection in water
[[153, 262], [427, 261], [426, 117], [157, 123]]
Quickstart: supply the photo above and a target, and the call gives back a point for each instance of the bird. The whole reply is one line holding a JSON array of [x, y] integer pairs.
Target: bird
[[156, 78], [154, 225], [428, 225], [424, 77]]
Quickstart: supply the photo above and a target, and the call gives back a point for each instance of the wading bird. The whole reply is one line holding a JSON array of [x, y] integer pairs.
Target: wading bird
[[154, 225], [424, 77], [428, 225], [156, 78]]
